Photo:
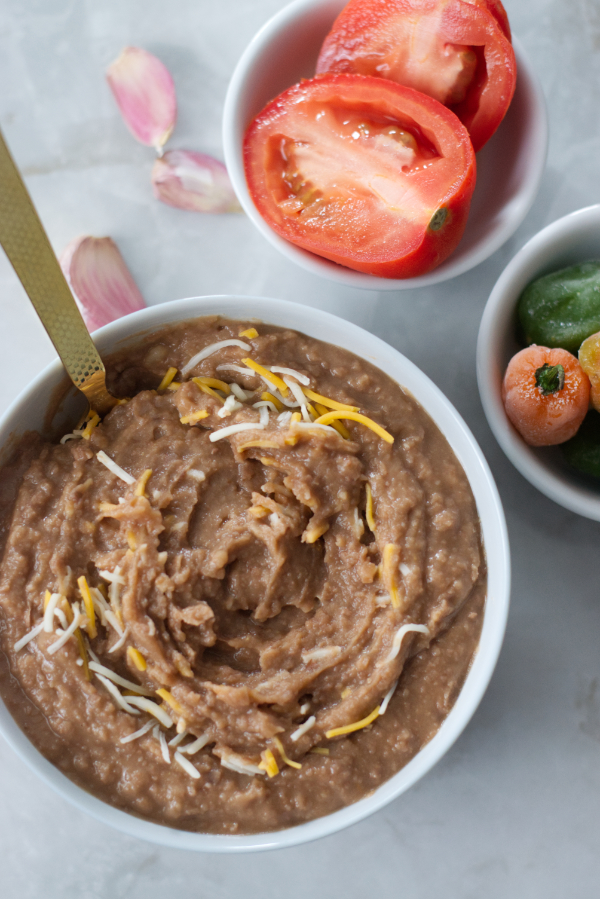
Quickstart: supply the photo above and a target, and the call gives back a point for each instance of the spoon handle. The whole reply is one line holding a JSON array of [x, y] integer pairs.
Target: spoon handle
[[27, 246]]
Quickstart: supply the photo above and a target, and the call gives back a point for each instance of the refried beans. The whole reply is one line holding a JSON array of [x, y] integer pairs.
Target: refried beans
[[224, 608]]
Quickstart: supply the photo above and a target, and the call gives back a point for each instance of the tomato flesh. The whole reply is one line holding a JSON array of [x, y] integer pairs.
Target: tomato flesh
[[457, 51], [365, 172]]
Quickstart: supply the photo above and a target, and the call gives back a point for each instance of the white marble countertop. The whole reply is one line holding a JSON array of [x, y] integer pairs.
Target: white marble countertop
[[513, 808]]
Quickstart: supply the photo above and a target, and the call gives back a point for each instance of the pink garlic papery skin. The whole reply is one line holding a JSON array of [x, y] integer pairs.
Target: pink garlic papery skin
[[145, 94], [193, 181], [100, 281]]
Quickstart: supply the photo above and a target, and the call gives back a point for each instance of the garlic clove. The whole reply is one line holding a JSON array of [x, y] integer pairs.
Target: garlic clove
[[100, 281], [193, 181], [145, 95]]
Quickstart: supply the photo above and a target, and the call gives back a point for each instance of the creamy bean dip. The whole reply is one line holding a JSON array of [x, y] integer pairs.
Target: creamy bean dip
[[250, 594]]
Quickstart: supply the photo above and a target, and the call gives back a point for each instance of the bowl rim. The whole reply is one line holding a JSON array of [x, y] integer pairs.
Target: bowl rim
[[499, 311], [494, 533], [534, 164]]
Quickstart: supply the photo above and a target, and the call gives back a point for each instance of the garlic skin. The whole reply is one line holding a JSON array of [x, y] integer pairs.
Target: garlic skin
[[100, 281], [193, 181], [145, 94]]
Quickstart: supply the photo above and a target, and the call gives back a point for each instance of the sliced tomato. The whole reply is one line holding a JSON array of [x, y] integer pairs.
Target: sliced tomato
[[373, 175], [457, 51]]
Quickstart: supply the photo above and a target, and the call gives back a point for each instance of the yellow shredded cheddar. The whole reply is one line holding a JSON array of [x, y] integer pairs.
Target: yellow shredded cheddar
[[283, 755], [268, 762], [131, 540], [369, 509], [66, 607], [340, 428], [250, 333], [291, 441], [278, 383], [88, 604], [206, 389], [47, 598], [312, 535], [169, 375], [223, 386], [325, 401], [170, 699], [265, 444], [266, 461], [83, 653], [174, 385], [258, 511], [361, 419], [136, 658], [390, 552], [320, 750], [140, 487], [94, 420], [123, 402], [346, 692], [194, 417], [296, 416], [265, 395], [350, 728]]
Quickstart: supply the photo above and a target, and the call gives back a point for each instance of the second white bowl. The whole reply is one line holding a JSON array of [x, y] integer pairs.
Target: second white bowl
[[509, 168]]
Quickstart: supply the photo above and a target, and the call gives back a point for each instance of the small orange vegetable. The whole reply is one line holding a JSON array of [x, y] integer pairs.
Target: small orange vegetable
[[589, 359], [546, 395]]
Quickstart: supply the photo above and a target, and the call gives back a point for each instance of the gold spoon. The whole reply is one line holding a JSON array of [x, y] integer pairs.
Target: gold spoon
[[27, 246]]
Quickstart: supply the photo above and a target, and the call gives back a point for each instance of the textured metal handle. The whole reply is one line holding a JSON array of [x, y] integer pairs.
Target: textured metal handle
[[27, 246]]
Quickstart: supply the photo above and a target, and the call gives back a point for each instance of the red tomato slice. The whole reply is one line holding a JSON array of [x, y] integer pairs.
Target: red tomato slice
[[456, 51], [368, 173]]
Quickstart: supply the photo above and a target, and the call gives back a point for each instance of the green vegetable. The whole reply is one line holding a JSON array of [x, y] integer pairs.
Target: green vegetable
[[582, 451], [563, 308]]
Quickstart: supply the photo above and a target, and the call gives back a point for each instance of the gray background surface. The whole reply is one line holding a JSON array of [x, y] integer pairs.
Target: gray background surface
[[513, 808]]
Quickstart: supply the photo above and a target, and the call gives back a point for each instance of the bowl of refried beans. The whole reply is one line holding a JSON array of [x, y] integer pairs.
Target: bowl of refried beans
[[263, 595]]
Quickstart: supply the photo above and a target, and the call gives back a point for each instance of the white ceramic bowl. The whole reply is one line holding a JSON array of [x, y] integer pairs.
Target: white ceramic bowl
[[574, 238], [28, 412], [509, 168]]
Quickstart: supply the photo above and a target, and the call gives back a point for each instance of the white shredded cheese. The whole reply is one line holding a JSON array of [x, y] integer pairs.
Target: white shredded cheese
[[297, 391], [77, 620], [267, 404], [230, 405], [138, 733], [387, 697], [209, 350], [304, 709], [404, 569], [239, 392], [58, 613], [399, 635], [120, 700], [196, 474], [146, 705], [241, 369], [238, 763], [117, 679], [311, 426], [72, 436], [314, 655], [290, 403], [187, 765], [284, 419], [305, 413], [114, 623], [196, 746], [112, 466], [293, 373], [233, 429], [114, 577], [49, 613], [303, 729], [119, 642], [29, 636], [264, 416], [158, 733], [178, 738]]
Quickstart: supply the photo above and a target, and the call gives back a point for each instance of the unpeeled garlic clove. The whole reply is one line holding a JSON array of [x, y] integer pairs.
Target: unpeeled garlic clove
[[193, 181], [145, 94], [100, 281]]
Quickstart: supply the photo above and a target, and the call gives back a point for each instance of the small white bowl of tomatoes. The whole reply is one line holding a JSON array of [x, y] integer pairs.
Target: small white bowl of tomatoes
[[378, 183], [562, 265]]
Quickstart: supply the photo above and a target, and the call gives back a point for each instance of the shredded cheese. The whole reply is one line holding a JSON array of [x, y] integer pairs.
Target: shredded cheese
[[138, 733], [196, 474], [296, 417], [29, 636], [238, 763], [174, 385], [146, 705], [112, 466], [361, 419], [50, 603], [120, 700], [186, 765], [387, 697], [268, 763], [296, 391], [283, 755], [269, 398], [265, 444], [399, 635], [293, 373], [320, 750], [369, 509], [223, 386], [311, 535], [331, 404], [346, 692], [239, 392], [87, 431], [304, 728], [178, 738], [250, 333], [390, 552], [170, 699], [209, 350], [350, 728], [140, 487], [136, 658], [66, 635], [196, 746], [315, 655], [343, 431], [234, 429], [100, 669], [83, 654], [169, 375], [276, 381], [159, 735], [209, 390], [194, 417]]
